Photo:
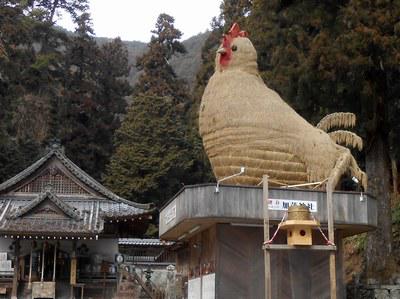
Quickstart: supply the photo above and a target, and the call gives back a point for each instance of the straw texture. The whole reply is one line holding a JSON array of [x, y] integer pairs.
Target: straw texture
[[337, 120], [245, 123], [348, 139]]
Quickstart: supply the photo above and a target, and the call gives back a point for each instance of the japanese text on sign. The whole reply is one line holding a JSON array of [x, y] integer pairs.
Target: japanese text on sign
[[170, 214], [284, 204]]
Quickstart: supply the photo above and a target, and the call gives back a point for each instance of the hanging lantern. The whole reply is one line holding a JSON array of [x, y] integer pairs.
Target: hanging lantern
[[299, 225]]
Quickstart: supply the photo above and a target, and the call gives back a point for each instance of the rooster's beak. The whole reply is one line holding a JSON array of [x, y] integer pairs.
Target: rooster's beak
[[221, 51]]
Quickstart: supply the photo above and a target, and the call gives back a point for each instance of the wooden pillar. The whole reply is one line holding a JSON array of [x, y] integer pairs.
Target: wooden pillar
[[14, 292], [72, 278], [30, 268], [267, 260], [340, 269], [331, 235], [73, 265], [43, 254], [54, 262]]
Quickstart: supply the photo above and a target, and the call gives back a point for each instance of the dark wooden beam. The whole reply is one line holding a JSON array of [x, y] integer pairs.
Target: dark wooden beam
[[14, 292], [291, 247]]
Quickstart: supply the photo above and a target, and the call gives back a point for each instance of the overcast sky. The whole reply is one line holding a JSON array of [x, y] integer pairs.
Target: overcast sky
[[133, 20]]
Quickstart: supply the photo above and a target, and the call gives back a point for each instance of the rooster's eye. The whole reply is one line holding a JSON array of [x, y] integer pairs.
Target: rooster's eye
[[234, 48]]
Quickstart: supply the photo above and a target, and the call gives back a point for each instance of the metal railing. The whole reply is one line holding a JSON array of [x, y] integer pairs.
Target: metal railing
[[150, 257]]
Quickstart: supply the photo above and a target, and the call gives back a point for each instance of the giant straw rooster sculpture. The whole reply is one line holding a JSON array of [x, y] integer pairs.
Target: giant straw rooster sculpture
[[245, 123]]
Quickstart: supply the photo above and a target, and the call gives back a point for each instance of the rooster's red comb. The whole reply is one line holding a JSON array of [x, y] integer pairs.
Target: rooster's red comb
[[235, 31]]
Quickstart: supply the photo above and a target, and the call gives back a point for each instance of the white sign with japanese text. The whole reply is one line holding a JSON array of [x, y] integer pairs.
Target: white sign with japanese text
[[170, 214], [284, 204]]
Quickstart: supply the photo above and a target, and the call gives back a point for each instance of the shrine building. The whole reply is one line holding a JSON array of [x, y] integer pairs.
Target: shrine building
[[59, 231]]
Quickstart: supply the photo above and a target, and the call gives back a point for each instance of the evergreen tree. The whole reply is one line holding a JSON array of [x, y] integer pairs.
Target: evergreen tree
[[31, 78], [339, 56], [53, 85], [47, 74], [283, 33], [93, 98], [158, 78], [50, 8], [15, 63], [167, 36], [363, 62], [235, 11], [153, 156]]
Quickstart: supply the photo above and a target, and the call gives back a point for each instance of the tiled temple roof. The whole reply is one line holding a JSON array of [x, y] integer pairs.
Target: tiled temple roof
[[46, 212], [71, 166], [66, 208], [89, 216]]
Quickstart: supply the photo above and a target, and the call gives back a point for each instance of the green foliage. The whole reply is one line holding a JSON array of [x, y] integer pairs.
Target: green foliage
[[49, 9], [167, 36], [235, 11], [54, 85], [151, 157], [15, 156], [158, 78], [17, 44], [358, 241], [93, 98], [156, 150], [185, 65], [152, 231], [283, 34], [329, 56], [396, 214]]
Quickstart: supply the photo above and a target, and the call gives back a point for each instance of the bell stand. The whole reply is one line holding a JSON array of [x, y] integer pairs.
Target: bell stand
[[268, 247]]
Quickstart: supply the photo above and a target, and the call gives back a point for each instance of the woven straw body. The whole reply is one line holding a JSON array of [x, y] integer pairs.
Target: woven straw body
[[245, 123]]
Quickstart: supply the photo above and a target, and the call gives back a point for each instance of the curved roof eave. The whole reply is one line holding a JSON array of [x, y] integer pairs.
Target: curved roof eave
[[78, 172]]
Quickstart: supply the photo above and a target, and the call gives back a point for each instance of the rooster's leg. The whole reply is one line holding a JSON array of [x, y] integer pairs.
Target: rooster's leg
[[342, 165], [346, 163]]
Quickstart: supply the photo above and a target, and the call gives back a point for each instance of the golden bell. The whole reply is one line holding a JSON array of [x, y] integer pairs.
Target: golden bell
[[299, 225]]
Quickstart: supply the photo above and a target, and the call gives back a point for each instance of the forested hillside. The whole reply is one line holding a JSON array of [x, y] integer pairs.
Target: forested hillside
[[185, 66], [321, 56], [70, 87]]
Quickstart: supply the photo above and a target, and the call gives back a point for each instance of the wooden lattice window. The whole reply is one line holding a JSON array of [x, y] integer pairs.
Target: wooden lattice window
[[60, 183]]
